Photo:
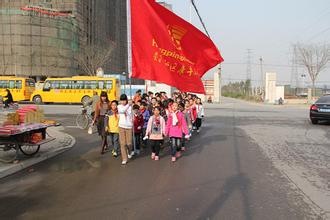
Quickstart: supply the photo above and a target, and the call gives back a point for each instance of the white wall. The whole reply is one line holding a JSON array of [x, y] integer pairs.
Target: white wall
[[270, 88], [159, 87], [279, 92], [217, 87]]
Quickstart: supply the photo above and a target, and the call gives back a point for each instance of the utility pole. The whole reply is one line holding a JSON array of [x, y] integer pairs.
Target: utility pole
[[217, 85], [261, 72], [294, 69], [249, 64]]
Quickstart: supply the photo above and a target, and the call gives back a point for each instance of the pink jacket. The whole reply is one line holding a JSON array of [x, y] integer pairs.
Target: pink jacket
[[160, 135], [179, 129]]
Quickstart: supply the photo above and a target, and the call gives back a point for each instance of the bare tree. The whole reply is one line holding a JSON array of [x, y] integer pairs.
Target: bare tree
[[314, 58], [91, 56]]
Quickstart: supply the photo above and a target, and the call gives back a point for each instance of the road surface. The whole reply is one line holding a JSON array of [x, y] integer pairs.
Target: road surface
[[250, 161]]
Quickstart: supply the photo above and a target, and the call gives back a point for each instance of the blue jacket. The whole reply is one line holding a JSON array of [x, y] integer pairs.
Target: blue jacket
[[146, 116]]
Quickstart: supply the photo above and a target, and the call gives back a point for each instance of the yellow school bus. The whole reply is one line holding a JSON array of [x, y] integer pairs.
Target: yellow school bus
[[21, 88], [76, 89]]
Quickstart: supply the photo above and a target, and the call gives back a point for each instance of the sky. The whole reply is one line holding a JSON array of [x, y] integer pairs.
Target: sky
[[268, 27]]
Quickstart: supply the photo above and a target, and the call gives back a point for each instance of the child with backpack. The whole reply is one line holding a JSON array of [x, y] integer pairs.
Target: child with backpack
[[138, 125], [200, 114], [146, 115], [125, 129], [193, 112], [176, 125], [155, 133], [187, 118], [112, 128]]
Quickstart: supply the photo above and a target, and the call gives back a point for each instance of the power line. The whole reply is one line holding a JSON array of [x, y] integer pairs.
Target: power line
[[258, 64], [200, 18], [322, 14], [319, 33]]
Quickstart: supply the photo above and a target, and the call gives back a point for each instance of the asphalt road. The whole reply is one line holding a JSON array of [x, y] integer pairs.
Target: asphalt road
[[232, 170]]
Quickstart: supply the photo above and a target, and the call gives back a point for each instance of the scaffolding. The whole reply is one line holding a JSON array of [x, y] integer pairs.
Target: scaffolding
[[40, 38], [37, 41]]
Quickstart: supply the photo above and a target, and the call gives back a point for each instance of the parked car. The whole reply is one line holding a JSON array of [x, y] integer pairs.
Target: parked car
[[320, 111]]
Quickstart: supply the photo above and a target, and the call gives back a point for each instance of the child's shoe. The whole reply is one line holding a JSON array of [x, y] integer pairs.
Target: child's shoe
[[114, 153], [129, 156], [153, 155], [173, 159], [183, 149], [156, 158]]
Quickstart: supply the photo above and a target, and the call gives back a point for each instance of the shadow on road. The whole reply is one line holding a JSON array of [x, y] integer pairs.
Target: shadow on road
[[239, 182]]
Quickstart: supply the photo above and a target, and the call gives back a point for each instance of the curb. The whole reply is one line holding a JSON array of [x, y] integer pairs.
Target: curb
[[25, 164]]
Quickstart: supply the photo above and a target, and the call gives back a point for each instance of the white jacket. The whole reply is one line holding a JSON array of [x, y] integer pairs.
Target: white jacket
[[125, 116], [200, 111]]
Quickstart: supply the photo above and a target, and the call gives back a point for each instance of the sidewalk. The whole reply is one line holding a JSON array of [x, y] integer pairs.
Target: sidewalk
[[63, 142]]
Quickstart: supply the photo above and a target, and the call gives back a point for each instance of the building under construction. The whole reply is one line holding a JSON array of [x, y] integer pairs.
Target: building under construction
[[40, 38]]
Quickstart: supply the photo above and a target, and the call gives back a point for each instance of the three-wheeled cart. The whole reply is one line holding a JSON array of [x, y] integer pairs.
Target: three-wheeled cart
[[22, 141]]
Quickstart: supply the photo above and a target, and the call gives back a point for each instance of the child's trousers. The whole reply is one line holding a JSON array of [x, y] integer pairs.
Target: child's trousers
[[175, 143], [155, 146]]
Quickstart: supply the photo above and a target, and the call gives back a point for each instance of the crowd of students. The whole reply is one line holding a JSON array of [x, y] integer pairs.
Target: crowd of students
[[146, 121]]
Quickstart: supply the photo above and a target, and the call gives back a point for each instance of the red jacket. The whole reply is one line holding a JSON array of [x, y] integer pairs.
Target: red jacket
[[193, 110], [138, 122]]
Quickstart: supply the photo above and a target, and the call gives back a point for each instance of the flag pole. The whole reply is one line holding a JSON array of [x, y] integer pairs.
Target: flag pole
[[129, 61]]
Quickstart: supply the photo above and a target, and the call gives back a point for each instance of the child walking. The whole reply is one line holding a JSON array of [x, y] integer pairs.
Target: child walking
[[187, 118], [200, 114], [155, 133], [146, 115], [138, 125], [125, 129], [112, 122], [176, 125], [193, 111]]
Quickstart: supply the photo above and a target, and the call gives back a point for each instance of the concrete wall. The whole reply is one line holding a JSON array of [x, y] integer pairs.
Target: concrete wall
[[159, 87], [217, 86], [270, 88], [279, 92]]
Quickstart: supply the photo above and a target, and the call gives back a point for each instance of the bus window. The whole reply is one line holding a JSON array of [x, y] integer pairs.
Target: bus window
[[90, 85], [108, 85], [55, 84], [30, 83], [3, 84], [11, 84], [18, 84], [101, 84], [47, 86], [65, 84], [77, 84]]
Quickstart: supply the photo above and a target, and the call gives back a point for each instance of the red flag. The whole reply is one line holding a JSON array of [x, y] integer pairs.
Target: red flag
[[167, 49]]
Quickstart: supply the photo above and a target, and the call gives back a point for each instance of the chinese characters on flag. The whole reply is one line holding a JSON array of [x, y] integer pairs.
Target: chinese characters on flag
[[167, 49]]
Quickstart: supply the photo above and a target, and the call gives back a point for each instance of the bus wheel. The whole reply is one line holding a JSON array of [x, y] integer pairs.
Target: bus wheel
[[85, 99], [37, 99]]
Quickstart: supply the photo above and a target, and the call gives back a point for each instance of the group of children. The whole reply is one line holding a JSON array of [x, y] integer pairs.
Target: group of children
[[147, 122]]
